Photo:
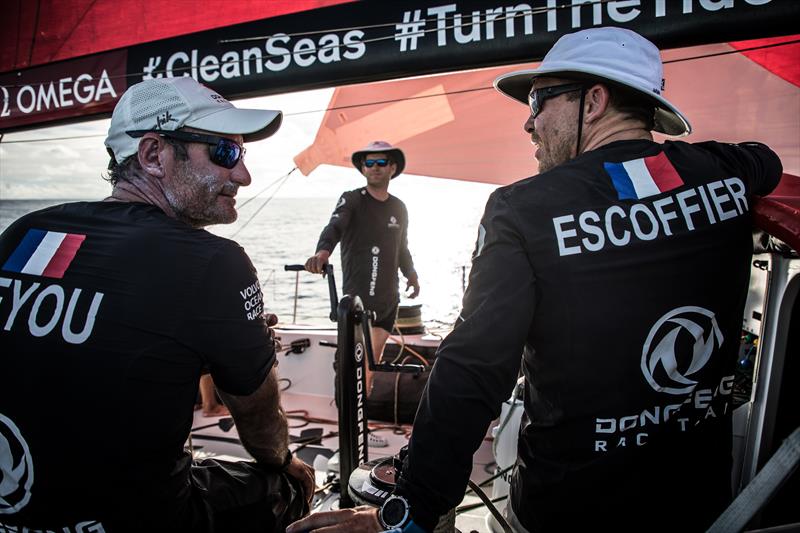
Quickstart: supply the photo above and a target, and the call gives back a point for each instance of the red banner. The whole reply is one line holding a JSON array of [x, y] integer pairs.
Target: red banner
[[60, 91]]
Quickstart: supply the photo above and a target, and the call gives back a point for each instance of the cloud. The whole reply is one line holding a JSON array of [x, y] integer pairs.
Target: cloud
[[72, 168]]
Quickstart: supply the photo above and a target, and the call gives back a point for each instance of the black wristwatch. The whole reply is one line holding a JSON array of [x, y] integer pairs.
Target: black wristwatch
[[395, 513]]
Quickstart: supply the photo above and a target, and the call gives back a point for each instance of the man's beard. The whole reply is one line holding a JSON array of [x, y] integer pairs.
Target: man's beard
[[554, 153], [196, 202]]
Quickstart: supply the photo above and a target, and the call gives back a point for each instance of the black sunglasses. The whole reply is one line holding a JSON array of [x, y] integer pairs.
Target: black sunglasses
[[369, 163], [222, 151], [537, 97]]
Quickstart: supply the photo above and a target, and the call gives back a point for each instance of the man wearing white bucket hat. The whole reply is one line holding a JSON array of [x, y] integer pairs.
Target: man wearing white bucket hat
[[120, 306], [619, 273], [372, 226]]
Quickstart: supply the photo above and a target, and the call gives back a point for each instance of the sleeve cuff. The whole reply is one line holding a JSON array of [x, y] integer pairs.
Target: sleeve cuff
[[413, 527], [423, 520]]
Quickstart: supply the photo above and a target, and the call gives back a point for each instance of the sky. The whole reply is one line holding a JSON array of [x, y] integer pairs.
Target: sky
[[444, 213], [73, 169]]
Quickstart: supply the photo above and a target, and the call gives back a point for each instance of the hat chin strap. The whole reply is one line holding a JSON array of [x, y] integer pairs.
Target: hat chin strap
[[580, 122]]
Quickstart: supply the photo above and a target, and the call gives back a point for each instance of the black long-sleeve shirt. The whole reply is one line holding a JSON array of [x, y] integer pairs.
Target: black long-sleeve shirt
[[374, 237], [618, 282]]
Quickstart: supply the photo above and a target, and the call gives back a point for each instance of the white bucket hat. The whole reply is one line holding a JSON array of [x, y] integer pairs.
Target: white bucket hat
[[172, 103], [614, 54], [380, 147]]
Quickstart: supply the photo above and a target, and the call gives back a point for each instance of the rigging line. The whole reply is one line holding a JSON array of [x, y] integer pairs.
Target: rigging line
[[501, 521], [155, 73], [35, 31], [533, 11], [733, 51], [285, 179], [394, 36], [474, 89], [259, 193], [78, 23], [446, 93], [19, 31], [45, 139], [390, 101], [377, 102], [470, 506]]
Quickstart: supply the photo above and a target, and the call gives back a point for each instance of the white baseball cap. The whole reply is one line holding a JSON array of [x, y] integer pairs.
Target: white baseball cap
[[615, 54], [172, 103]]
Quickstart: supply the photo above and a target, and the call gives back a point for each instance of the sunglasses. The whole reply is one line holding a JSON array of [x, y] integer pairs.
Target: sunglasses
[[222, 151], [369, 163], [538, 97]]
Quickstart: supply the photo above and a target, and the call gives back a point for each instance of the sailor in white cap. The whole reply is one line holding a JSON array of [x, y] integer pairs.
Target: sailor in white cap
[[155, 301], [618, 275]]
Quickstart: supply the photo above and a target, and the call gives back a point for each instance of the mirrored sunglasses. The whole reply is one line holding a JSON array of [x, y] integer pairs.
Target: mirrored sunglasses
[[538, 97], [369, 163], [222, 151]]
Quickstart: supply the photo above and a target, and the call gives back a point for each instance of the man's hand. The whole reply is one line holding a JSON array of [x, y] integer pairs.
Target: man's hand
[[412, 283], [362, 519], [317, 262], [303, 473], [271, 321]]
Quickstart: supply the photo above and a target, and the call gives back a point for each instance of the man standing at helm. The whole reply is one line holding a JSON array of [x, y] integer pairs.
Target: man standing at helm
[[619, 273], [372, 226]]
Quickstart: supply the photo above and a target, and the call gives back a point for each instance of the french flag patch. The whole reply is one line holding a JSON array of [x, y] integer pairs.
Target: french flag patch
[[44, 253], [640, 178]]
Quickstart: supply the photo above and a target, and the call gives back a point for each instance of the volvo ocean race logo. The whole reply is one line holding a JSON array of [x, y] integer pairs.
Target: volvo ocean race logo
[[678, 346], [16, 468]]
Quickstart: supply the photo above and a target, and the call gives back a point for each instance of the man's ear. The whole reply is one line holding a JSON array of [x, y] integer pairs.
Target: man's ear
[[595, 103], [149, 154]]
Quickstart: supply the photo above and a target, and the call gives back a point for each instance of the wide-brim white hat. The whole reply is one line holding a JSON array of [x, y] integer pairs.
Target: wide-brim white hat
[[380, 147], [168, 104], [617, 55]]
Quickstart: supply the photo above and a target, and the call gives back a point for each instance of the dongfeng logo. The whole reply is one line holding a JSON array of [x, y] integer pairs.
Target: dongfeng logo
[[678, 346], [16, 468], [359, 352]]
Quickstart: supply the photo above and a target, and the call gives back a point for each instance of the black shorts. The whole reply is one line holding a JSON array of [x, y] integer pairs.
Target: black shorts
[[216, 496], [242, 496], [385, 318], [213, 496]]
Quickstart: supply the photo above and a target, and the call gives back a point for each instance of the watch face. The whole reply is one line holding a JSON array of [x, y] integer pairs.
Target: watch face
[[394, 511]]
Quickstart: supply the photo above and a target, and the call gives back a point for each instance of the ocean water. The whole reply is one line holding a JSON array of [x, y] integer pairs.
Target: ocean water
[[285, 231]]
